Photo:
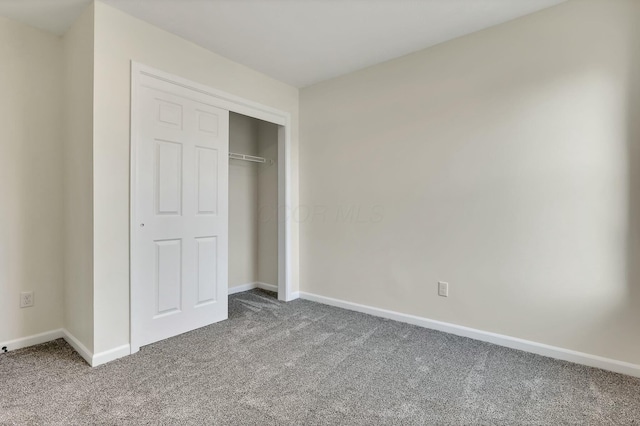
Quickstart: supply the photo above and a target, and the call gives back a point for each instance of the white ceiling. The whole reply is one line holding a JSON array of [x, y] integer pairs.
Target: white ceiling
[[300, 42]]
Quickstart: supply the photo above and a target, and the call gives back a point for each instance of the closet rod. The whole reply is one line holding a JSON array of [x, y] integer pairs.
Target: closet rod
[[236, 156]]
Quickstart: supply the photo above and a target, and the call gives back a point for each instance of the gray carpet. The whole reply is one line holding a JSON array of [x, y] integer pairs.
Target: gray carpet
[[304, 363]]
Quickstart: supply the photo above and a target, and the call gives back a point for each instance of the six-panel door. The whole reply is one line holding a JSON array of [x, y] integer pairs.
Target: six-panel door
[[182, 213]]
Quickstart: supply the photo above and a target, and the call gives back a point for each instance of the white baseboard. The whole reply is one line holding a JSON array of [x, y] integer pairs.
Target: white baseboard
[[268, 287], [250, 286], [242, 288], [96, 359], [110, 355], [294, 295], [34, 339], [78, 347], [485, 336], [91, 358]]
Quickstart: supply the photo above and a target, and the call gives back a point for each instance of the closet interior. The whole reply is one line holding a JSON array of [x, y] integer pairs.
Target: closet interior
[[253, 204]]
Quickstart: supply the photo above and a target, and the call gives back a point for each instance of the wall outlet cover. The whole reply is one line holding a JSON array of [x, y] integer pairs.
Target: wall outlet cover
[[26, 299], [443, 289]]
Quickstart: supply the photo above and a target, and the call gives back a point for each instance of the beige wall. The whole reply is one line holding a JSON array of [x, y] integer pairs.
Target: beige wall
[[243, 202], [505, 162], [78, 178], [119, 39], [31, 237], [268, 204]]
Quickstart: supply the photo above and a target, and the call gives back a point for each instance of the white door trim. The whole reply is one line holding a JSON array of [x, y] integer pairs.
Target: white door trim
[[239, 105]]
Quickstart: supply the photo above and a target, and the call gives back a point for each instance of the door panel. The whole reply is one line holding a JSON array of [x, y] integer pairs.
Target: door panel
[[168, 185], [207, 175], [207, 269], [168, 276], [181, 208]]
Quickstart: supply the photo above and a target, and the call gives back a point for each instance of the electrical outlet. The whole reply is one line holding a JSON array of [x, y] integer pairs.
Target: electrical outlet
[[26, 299], [443, 289]]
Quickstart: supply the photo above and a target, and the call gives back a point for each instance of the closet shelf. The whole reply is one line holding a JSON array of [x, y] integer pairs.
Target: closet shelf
[[236, 156]]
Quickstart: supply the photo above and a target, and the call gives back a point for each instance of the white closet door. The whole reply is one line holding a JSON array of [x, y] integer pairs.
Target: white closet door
[[181, 198]]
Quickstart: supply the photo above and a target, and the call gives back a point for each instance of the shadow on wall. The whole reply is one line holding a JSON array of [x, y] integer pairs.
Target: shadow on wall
[[633, 155]]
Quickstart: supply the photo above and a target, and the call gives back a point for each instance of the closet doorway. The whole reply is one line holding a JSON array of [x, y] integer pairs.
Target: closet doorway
[[253, 204], [204, 159]]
